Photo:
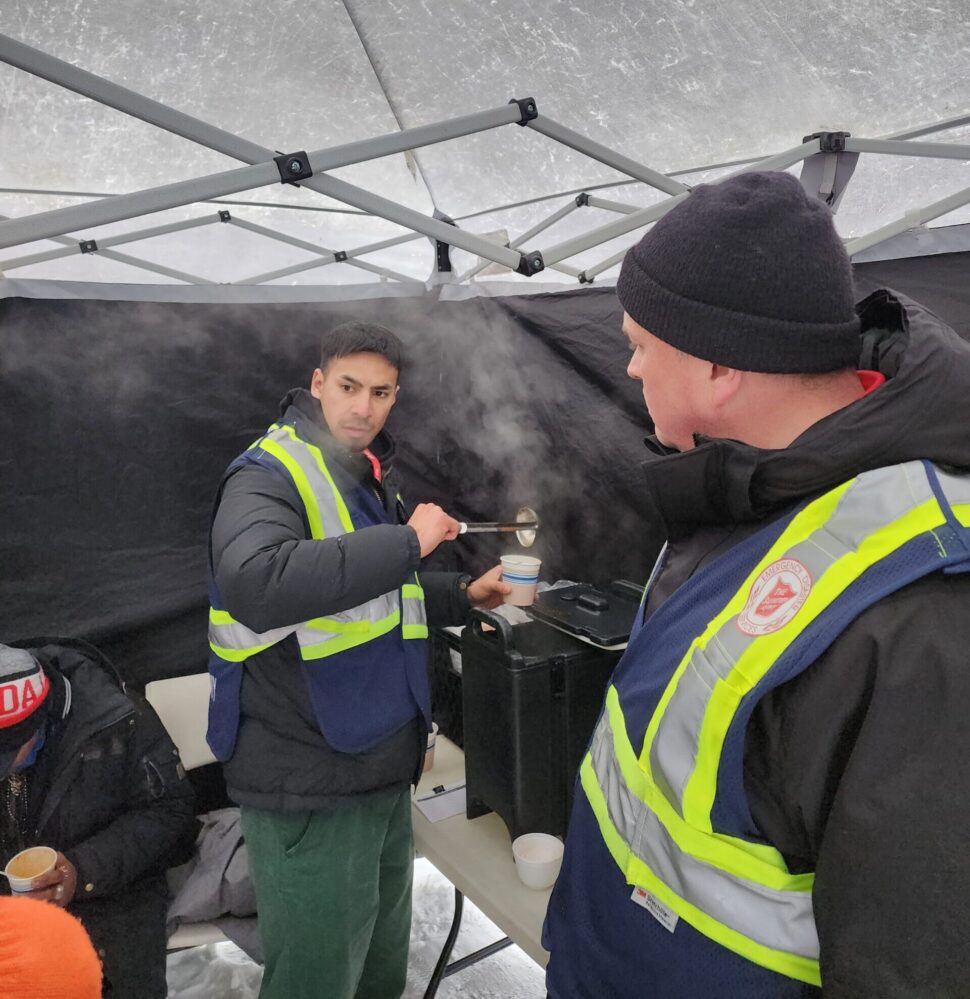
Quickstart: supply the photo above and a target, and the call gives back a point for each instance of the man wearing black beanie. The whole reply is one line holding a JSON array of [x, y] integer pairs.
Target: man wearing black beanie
[[776, 796]]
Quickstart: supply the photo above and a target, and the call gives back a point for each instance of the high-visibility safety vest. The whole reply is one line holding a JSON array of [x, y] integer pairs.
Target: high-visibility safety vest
[[365, 667], [667, 888]]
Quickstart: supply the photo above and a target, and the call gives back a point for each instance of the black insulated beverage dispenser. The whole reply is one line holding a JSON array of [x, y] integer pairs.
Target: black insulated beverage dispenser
[[531, 695]]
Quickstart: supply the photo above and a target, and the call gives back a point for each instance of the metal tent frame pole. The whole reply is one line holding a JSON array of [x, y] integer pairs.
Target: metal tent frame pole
[[64, 220], [905, 147], [263, 170], [566, 269], [939, 126], [612, 206], [911, 220], [74, 246], [534, 231], [330, 256], [932, 129], [567, 137], [98, 246], [155, 113], [344, 257], [266, 168], [48, 192], [604, 233], [644, 216]]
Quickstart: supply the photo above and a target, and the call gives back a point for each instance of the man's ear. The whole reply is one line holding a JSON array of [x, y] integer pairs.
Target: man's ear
[[725, 383], [316, 383]]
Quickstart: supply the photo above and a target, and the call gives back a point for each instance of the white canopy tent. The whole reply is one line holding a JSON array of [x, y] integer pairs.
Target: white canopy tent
[[634, 101]]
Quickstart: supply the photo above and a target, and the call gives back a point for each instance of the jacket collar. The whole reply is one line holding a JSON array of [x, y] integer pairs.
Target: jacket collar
[[303, 410], [921, 412]]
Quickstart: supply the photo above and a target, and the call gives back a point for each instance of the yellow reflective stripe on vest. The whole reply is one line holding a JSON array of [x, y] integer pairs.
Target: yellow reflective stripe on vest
[[834, 541], [326, 510], [654, 812], [303, 487], [414, 616], [327, 516], [259, 440], [349, 639], [321, 465], [234, 642], [727, 909], [738, 858], [318, 638]]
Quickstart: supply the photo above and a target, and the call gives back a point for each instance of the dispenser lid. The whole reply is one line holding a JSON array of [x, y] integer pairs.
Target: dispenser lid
[[603, 616]]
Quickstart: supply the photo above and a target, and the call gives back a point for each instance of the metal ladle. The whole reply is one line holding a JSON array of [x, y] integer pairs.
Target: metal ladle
[[524, 527]]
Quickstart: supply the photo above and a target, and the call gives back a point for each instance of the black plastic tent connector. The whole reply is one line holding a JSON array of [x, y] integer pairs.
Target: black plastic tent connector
[[88, 246], [582, 199], [293, 167], [224, 216], [530, 263], [442, 250], [442, 257], [527, 106], [340, 256], [829, 142]]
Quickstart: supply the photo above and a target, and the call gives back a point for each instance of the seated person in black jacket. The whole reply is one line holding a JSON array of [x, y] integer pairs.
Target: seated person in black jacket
[[88, 770]]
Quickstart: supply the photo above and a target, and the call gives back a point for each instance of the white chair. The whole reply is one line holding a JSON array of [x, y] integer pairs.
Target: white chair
[[182, 703]]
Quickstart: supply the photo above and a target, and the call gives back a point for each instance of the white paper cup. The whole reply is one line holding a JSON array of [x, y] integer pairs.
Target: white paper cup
[[37, 860], [429, 753], [521, 572], [538, 857]]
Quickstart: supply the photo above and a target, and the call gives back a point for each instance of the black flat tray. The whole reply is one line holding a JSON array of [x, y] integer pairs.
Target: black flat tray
[[604, 616]]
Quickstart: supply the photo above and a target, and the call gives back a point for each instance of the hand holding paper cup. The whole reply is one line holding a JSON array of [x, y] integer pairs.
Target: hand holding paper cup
[[27, 865], [521, 572]]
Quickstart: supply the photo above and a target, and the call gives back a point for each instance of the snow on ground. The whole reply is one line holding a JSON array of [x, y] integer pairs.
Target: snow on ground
[[222, 971]]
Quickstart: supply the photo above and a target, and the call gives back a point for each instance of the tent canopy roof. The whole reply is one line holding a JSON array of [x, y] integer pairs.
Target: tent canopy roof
[[673, 85]]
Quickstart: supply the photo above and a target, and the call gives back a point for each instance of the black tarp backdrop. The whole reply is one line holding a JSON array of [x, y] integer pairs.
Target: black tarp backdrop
[[119, 418]]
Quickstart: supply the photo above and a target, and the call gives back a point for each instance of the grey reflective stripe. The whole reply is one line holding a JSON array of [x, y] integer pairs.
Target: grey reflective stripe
[[238, 637], [322, 488], [955, 487], [413, 611], [234, 635], [873, 500], [343, 629], [781, 920]]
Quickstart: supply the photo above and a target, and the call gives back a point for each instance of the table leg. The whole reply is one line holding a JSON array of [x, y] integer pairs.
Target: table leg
[[439, 969], [464, 962], [443, 969]]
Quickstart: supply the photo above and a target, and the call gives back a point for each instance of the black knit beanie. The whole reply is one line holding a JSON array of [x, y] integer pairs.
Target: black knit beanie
[[749, 273]]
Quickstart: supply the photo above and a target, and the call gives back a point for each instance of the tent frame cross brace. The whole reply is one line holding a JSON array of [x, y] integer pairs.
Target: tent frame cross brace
[[266, 166]]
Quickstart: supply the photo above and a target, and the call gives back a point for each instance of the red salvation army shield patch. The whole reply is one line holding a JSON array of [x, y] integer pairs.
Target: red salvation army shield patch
[[776, 597]]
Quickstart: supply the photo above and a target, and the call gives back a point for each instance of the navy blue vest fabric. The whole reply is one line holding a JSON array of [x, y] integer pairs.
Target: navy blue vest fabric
[[602, 944], [341, 687]]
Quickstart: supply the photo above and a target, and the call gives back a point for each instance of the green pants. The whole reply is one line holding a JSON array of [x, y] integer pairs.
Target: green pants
[[333, 894]]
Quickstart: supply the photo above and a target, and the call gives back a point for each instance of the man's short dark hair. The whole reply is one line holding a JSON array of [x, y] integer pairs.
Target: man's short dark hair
[[361, 338]]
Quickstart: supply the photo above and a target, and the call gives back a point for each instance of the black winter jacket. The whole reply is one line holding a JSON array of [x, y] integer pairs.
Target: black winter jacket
[[271, 574], [109, 792], [859, 768]]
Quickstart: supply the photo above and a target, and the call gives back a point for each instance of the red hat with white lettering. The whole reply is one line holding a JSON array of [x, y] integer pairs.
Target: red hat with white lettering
[[24, 690]]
